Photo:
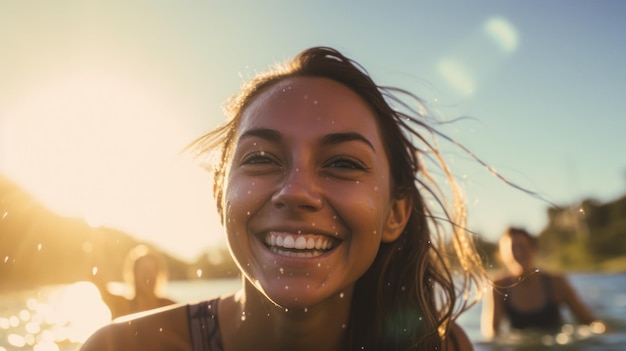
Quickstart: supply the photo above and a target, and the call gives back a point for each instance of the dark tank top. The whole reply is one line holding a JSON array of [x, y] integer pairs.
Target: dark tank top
[[548, 317], [204, 327]]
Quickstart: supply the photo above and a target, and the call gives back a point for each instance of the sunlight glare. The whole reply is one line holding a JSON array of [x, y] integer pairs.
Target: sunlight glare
[[457, 75], [81, 312], [105, 146], [503, 33]]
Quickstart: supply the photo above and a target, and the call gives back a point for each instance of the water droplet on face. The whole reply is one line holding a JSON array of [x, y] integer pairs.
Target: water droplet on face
[[376, 188], [341, 295], [39, 247], [5, 214], [343, 326], [286, 287], [319, 264], [248, 213], [160, 330], [315, 102], [306, 309], [199, 273], [243, 316], [282, 271]]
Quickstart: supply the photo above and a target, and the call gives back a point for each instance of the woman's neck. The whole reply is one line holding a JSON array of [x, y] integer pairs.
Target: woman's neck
[[250, 321]]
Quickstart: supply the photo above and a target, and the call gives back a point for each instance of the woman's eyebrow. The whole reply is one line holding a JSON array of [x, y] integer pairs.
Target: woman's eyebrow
[[337, 138], [329, 139], [263, 133]]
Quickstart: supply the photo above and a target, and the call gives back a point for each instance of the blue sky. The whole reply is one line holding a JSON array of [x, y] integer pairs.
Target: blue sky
[[97, 98]]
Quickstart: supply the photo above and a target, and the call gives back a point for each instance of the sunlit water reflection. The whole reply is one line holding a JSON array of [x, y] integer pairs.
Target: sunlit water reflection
[[52, 318]]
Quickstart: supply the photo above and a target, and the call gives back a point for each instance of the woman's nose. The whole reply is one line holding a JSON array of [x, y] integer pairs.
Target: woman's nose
[[298, 191]]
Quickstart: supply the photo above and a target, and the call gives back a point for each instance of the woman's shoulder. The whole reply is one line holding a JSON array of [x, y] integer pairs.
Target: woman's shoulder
[[165, 328]]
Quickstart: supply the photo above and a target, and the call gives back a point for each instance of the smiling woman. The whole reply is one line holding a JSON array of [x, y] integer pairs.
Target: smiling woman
[[323, 191], [101, 145]]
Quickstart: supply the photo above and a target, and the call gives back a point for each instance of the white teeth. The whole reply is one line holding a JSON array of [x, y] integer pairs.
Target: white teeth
[[298, 242], [295, 253], [288, 243]]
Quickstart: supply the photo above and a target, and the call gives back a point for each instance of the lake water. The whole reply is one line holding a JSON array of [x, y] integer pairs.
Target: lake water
[[59, 318]]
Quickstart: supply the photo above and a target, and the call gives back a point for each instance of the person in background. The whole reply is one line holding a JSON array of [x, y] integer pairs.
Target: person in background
[[146, 271], [529, 298], [322, 187]]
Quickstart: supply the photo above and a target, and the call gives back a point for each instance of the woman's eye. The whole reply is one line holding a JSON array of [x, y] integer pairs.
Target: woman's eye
[[257, 158], [347, 163]]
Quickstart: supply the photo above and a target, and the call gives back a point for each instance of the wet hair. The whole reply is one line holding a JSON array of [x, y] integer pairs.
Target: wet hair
[[408, 298]]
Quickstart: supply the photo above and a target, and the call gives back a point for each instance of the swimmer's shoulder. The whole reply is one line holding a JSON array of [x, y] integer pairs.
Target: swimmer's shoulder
[[165, 328]]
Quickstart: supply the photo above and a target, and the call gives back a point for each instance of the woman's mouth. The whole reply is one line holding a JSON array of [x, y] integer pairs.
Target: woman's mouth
[[298, 245]]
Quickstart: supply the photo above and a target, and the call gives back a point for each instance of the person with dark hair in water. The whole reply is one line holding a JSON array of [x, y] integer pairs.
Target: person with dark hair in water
[[530, 299], [326, 202]]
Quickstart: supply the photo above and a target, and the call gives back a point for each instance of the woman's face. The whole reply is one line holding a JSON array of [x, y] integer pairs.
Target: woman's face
[[307, 192], [517, 253]]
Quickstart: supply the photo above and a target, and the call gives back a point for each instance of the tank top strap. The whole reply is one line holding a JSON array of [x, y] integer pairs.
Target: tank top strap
[[204, 327]]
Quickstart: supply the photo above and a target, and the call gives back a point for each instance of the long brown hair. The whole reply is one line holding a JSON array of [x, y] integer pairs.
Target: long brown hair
[[410, 295]]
